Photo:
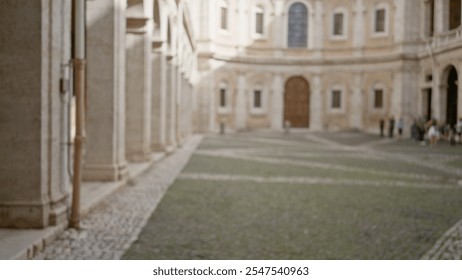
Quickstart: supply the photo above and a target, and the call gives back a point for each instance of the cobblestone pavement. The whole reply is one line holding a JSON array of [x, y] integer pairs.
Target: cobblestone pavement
[[108, 232], [319, 160]]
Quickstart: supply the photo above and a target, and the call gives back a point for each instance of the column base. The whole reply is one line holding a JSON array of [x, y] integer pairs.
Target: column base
[[138, 157], [105, 173], [156, 147], [24, 215]]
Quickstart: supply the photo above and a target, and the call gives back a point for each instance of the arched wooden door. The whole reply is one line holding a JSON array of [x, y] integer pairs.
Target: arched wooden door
[[297, 102]]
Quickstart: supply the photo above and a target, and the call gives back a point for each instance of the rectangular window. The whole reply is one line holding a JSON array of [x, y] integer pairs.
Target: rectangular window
[[454, 14], [259, 23], [380, 20], [338, 24], [336, 99], [378, 99], [224, 18], [257, 99], [223, 98]]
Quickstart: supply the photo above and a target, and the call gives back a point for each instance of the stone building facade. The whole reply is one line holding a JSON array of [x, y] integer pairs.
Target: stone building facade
[[160, 70], [327, 65]]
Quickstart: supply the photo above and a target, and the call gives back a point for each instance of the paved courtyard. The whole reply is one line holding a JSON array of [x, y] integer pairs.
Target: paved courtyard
[[277, 196]]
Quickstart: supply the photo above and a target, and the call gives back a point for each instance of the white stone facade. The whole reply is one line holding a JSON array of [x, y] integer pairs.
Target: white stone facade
[[358, 50]]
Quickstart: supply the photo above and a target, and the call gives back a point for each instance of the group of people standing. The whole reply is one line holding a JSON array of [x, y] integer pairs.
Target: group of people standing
[[391, 127], [423, 130]]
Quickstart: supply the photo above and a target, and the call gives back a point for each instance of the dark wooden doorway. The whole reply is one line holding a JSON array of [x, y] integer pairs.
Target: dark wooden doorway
[[297, 102]]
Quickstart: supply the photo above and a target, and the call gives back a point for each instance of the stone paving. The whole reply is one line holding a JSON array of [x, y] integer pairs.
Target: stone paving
[[109, 231], [410, 172]]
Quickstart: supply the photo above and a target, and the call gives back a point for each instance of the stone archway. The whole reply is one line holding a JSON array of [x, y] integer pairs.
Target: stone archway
[[297, 102]]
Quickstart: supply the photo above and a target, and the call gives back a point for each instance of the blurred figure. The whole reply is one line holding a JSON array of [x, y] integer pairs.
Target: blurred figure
[[433, 132], [400, 126], [382, 126], [391, 127], [459, 130]]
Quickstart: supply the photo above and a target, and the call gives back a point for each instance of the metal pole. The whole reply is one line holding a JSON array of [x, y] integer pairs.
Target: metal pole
[[78, 62]]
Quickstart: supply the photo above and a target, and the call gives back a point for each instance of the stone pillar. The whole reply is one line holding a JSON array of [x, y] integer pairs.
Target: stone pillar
[[105, 146], [138, 89], [244, 32], [209, 99], [158, 110], [356, 105], [277, 101], [400, 22], [241, 104], [396, 94], [316, 28], [459, 91], [316, 101], [170, 103], [277, 26], [359, 27], [178, 105], [438, 95], [34, 185], [405, 94], [441, 16]]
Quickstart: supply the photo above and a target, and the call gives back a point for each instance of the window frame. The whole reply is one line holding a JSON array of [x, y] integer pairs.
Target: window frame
[[339, 11], [373, 95], [386, 20], [259, 9], [223, 4], [263, 100], [341, 90], [287, 25], [223, 86]]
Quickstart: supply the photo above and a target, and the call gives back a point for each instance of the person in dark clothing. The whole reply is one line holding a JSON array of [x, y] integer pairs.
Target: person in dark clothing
[[382, 126], [391, 127]]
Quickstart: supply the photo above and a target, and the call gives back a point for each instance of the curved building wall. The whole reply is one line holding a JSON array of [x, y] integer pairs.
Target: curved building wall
[[364, 61]]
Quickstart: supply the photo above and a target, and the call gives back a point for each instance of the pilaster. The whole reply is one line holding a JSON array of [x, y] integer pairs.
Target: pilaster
[[277, 101], [138, 88], [105, 145]]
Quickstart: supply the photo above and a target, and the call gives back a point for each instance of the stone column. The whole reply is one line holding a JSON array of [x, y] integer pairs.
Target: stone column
[[438, 95], [459, 91], [241, 104], [405, 94], [138, 89], [396, 94], [105, 146], [277, 27], [316, 101], [158, 110], [356, 105], [277, 101], [400, 22], [441, 16], [171, 103], [34, 185], [178, 105], [359, 27], [316, 28]]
